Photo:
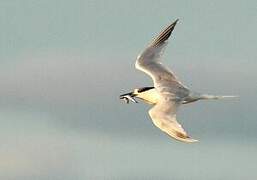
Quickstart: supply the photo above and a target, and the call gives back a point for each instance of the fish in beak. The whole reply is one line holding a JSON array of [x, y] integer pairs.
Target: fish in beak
[[128, 97]]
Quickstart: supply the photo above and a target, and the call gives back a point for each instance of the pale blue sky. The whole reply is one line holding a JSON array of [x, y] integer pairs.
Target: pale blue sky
[[64, 64]]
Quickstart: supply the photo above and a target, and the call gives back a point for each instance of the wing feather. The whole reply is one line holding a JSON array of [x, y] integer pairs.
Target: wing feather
[[163, 116], [149, 61]]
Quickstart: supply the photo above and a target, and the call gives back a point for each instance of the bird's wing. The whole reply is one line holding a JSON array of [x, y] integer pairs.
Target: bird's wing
[[149, 61], [163, 115]]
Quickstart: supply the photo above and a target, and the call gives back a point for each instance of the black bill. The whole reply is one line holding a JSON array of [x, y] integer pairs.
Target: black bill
[[128, 97]]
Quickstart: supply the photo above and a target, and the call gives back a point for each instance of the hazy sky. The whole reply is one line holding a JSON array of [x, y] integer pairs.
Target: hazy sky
[[64, 64]]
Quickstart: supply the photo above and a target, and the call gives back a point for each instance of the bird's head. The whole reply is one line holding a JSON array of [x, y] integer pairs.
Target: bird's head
[[135, 92]]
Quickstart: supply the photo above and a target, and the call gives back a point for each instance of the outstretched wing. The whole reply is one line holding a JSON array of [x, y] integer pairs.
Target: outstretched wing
[[163, 115], [149, 61]]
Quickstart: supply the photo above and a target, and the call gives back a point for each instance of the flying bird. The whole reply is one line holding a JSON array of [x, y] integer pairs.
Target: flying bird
[[167, 93]]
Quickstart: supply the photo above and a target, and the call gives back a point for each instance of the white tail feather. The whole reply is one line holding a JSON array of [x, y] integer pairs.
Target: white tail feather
[[206, 96]]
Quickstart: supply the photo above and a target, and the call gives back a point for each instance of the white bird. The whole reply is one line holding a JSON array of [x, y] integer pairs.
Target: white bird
[[168, 92]]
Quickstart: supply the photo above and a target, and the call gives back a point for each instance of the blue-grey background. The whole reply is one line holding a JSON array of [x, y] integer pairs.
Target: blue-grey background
[[63, 65]]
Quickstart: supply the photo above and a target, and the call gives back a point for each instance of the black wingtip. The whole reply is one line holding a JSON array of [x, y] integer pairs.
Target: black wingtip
[[165, 34], [174, 23]]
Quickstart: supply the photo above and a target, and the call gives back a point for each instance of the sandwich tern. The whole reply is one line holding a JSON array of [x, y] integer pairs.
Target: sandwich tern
[[168, 93]]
